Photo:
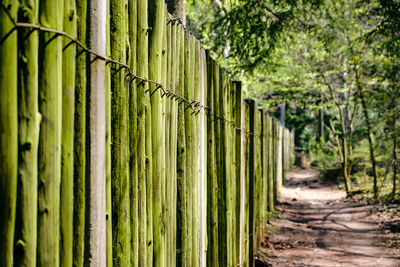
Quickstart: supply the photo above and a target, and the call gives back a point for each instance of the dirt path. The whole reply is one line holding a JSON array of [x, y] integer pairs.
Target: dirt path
[[319, 227]]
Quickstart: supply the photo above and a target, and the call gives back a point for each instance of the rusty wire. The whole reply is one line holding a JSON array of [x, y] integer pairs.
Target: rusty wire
[[195, 105]]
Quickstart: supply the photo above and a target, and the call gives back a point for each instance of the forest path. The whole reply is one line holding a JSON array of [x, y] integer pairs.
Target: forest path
[[318, 226]]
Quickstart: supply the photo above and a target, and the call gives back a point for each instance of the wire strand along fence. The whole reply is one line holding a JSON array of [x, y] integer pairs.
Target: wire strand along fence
[[190, 169]]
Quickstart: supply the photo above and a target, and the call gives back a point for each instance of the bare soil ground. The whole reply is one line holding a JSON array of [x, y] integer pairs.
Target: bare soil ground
[[318, 226]]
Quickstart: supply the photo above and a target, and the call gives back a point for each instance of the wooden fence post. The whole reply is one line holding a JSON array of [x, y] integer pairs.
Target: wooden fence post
[[212, 187], [133, 133], [67, 148], [144, 141], [203, 162], [119, 109], [156, 22], [28, 138], [270, 136], [251, 195], [181, 222], [108, 146], [97, 134], [237, 115], [50, 106], [9, 129], [80, 138], [221, 167], [265, 166], [196, 157]]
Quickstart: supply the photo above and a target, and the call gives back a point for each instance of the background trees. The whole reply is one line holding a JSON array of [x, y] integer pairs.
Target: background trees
[[336, 64]]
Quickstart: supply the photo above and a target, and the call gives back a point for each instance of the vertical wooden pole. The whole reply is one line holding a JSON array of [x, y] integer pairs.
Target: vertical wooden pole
[[8, 130], [238, 154], [50, 106], [246, 187], [188, 75], [265, 165], [156, 22], [257, 177], [133, 134], [270, 165], [203, 153], [28, 137], [97, 239], [80, 138], [196, 157], [181, 222], [164, 79], [119, 162], [108, 144], [251, 196], [221, 167], [67, 148], [174, 58], [279, 158], [212, 189], [143, 140], [168, 156]]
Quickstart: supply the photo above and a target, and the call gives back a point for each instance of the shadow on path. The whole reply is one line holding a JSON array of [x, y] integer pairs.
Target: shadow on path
[[318, 226]]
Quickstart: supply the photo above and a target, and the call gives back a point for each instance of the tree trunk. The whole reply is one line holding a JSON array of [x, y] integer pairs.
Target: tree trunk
[[371, 144]]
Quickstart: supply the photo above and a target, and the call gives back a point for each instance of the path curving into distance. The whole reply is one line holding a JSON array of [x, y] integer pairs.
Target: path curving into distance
[[318, 226]]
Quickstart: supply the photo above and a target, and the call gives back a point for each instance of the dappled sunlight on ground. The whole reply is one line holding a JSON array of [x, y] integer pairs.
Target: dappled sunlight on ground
[[318, 226]]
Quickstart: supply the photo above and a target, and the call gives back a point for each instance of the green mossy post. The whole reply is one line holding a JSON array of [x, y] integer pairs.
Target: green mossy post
[[144, 139], [279, 158], [188, 93], [50, 106], [119, 137], [212, 191], [246, 189], [275, 157], [80, 138], [167, 128], [8, 130], [67, 148], [156, 23], [238, 159], [270, 165], [164, 79], [252, 173], [171, 177], [257, 176], [108, 145], [203, 153], [221, 165], [181, 222], [264, 167], [133, 134], [196, 158], [233, 165], [28, 138]]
